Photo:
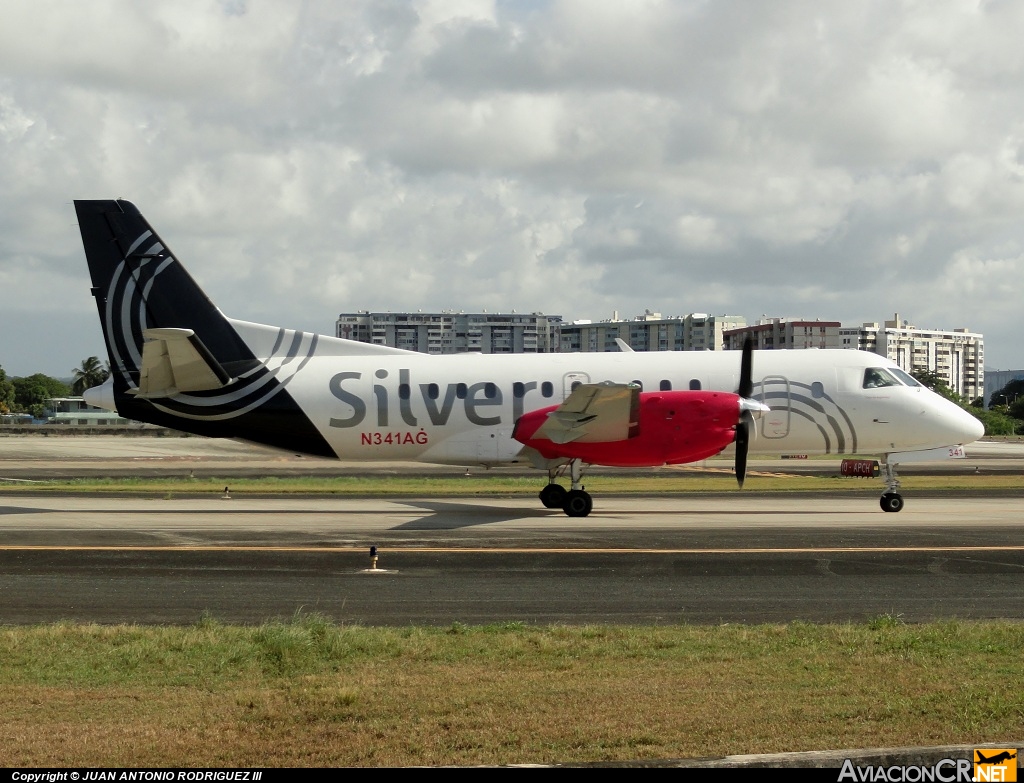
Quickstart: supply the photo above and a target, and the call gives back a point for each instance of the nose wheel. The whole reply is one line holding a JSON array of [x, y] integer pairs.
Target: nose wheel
[[892, 501]]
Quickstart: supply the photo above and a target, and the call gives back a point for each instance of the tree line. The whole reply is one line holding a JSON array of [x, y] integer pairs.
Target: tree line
[[29, 394]]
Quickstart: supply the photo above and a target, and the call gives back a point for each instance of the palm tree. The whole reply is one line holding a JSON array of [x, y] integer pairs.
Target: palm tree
[[90, 374]]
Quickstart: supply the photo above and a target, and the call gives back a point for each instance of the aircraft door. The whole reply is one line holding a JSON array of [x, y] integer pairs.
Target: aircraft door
[[487, 446], [483, 446], [774, 391], [571, 380]]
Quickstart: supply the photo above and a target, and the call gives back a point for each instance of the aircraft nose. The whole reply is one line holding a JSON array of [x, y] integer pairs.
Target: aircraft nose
[[953, 424], [971, 427]]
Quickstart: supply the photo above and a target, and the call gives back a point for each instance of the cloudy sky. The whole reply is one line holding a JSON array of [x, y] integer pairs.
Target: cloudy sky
[[830, 160]]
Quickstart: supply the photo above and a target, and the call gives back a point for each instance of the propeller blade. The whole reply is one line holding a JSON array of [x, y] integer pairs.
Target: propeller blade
[[743, 428], [745, 425], [747, 369]]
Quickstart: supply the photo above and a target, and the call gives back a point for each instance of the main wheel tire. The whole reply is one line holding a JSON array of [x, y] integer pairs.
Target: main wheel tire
[[553, 496], [577, 503], [891, 502]]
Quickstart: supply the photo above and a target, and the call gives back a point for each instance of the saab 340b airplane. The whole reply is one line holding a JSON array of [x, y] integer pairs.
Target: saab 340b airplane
[[177, 361]]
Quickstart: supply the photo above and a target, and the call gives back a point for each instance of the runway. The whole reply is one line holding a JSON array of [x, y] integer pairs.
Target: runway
[[699, 559]]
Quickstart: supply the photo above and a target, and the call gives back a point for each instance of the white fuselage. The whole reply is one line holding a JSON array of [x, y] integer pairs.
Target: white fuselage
[[382, 404]]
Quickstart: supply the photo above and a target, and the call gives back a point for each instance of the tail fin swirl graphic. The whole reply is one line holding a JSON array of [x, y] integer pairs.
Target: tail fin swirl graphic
[[175, 359]]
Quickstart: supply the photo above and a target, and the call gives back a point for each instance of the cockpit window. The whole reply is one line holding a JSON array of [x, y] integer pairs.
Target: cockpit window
[[907, 378], [877, 377]]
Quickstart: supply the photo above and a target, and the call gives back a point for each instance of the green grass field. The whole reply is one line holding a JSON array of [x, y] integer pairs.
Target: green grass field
[[309, 692]]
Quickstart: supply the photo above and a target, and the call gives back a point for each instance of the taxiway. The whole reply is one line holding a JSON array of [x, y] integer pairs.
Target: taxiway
[[703, 559]]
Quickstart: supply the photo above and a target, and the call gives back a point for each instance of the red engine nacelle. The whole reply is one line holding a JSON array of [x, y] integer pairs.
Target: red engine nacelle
[[674, 427]]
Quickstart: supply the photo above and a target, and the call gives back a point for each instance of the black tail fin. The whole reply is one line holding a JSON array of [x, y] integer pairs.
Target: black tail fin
[[126, 259], [140, 286]]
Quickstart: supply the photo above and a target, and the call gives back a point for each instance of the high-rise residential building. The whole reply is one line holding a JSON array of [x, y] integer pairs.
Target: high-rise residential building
[[957, 356], [650, 332], [778, 333], [454, 332]]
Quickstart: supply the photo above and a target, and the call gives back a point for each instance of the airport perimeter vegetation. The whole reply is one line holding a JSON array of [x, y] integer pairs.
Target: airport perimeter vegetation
[[308, 691]]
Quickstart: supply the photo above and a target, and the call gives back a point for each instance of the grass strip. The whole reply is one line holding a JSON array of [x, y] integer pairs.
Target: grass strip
[[310, 692], [656, 483]]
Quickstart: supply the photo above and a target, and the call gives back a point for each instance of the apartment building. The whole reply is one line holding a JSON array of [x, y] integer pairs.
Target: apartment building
[[454, 332], [785, 333], [650, 332], [957, 356]]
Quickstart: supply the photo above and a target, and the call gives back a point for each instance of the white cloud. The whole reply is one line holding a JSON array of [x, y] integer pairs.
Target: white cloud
[[572, 156], [997, 280]]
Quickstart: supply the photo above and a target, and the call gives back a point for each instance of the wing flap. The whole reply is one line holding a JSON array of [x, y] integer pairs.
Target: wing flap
[[595, 413]]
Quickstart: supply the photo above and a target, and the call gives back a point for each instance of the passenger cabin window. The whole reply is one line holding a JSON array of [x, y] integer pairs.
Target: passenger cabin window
[[817, 390], [460, 391], [547, 389], [694, 384], [433, 391], [638, 383], [575, 385], [878, 377], [665, 386]]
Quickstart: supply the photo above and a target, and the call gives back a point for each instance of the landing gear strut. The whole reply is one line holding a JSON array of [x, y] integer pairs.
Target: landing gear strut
[[576, 502], [891, 500]]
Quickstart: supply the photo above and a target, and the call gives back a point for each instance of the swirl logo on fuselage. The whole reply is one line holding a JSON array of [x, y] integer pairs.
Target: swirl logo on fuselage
[[803, 402]]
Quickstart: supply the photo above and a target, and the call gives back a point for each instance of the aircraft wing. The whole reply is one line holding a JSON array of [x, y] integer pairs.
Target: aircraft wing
[[175, 361], [595, 413]]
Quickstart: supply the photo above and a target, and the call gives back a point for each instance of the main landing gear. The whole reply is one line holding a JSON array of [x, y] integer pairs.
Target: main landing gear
[[891, 500], [576, 502]]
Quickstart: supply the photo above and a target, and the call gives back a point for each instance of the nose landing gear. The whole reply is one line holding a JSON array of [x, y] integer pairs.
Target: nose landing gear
[[892, 500]]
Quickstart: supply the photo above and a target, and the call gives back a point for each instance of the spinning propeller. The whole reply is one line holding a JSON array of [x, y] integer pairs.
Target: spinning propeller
[[749, 409]]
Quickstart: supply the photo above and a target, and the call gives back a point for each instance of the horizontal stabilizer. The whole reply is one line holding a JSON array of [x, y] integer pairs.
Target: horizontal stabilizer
[[176, 361], [594, 413]]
